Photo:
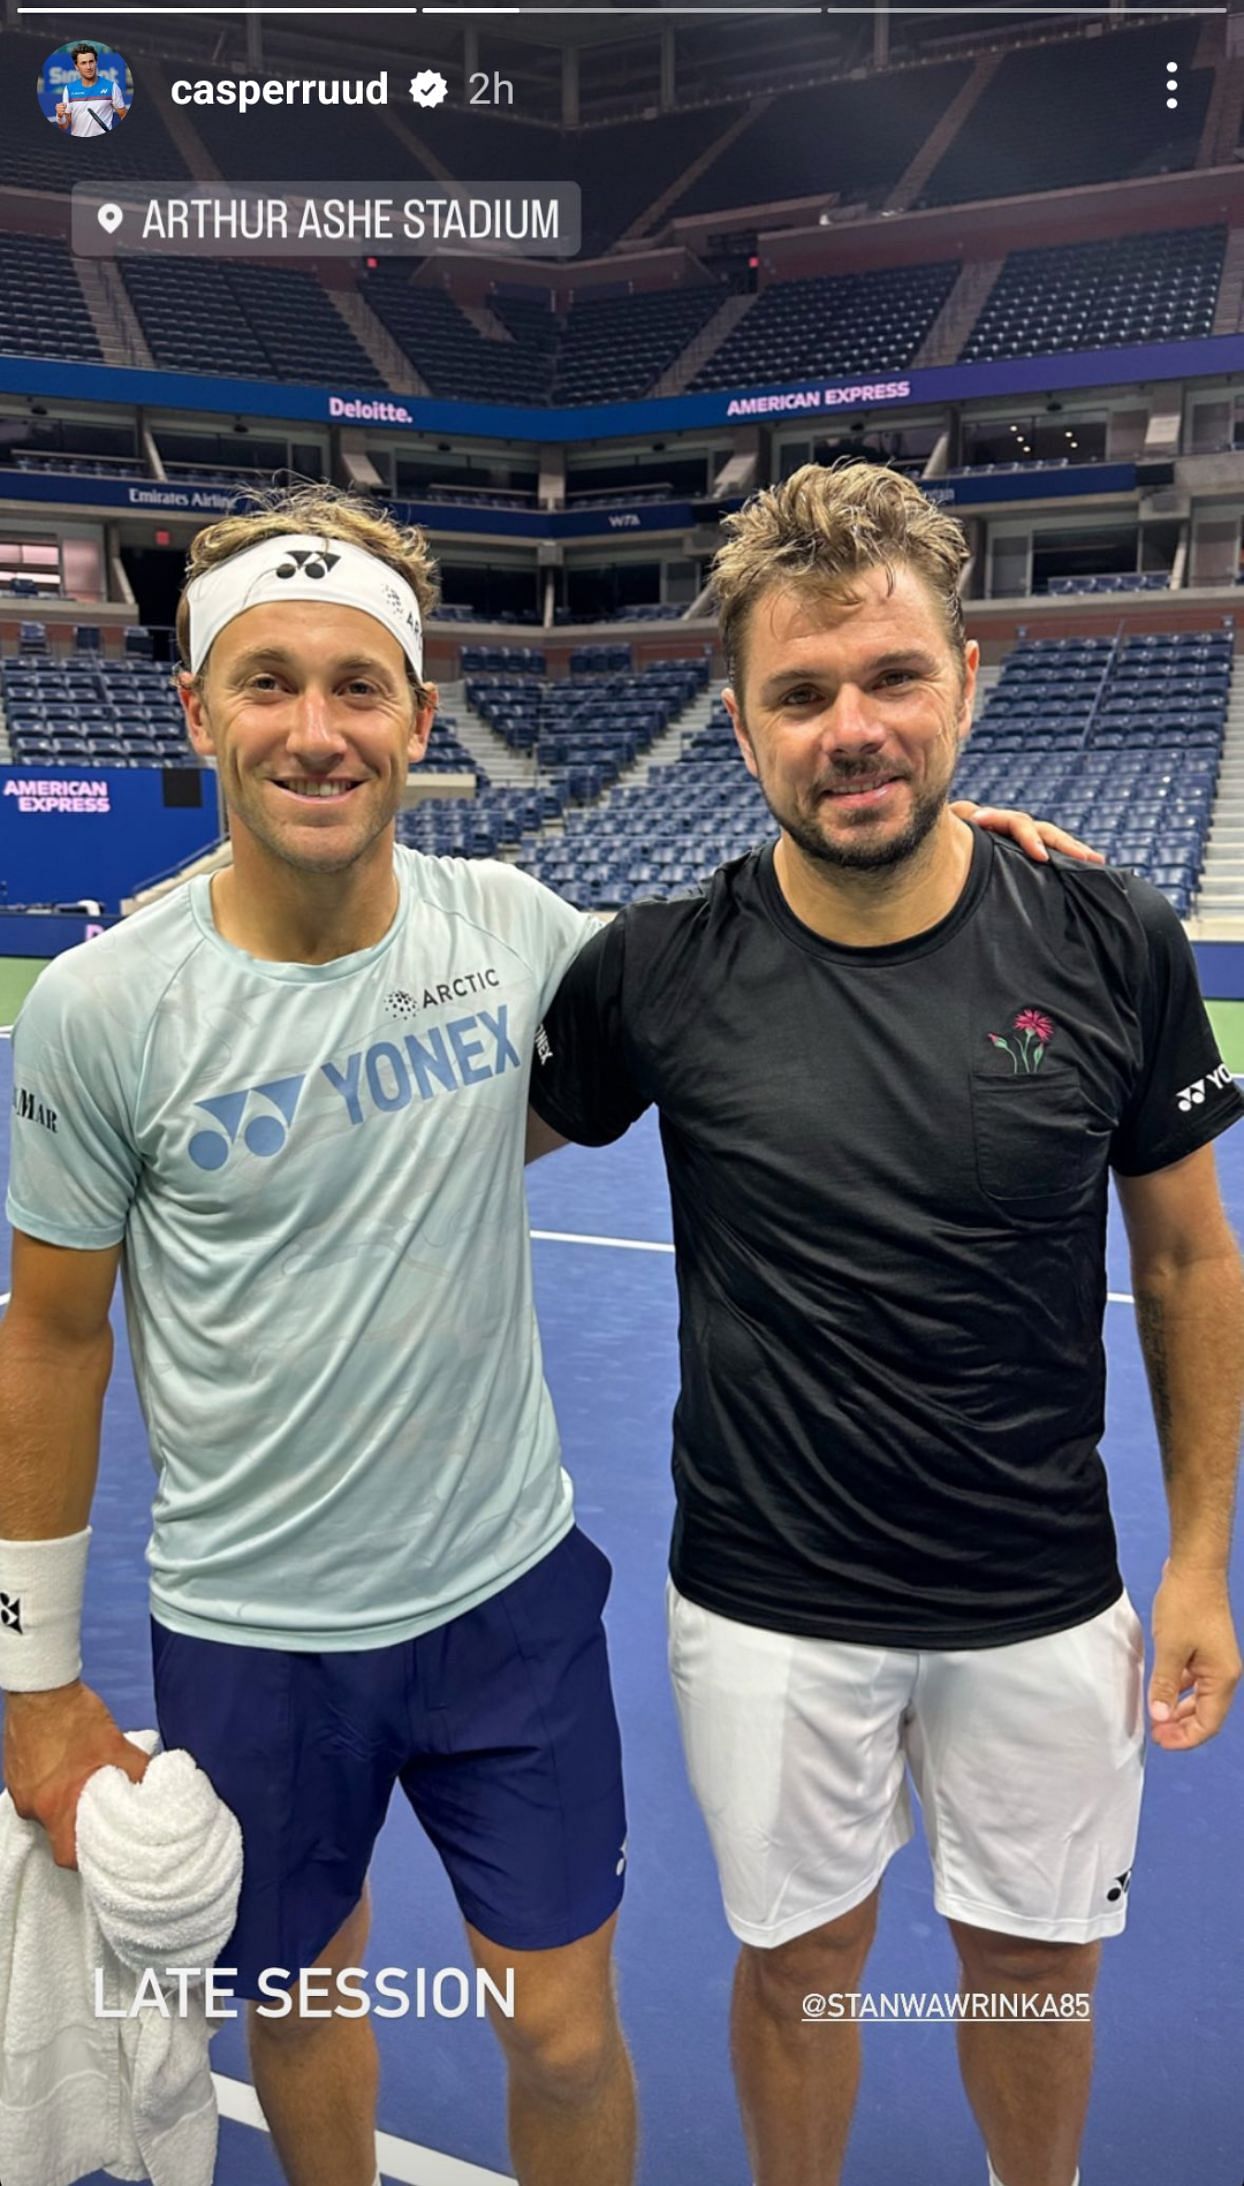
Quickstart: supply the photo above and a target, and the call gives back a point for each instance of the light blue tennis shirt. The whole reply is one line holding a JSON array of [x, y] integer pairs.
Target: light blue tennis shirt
[[317, 1172]]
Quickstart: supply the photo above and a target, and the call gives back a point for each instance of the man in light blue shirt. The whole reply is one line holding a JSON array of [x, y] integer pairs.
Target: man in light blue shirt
[[289, 1102]]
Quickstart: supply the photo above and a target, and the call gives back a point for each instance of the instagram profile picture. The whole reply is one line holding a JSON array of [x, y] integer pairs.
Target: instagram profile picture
[[85, 88]]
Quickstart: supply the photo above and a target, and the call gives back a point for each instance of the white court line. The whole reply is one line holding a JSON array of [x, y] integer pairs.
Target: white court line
[[642, 1244], [398, 2159], [620, 1244], [5, 1296]]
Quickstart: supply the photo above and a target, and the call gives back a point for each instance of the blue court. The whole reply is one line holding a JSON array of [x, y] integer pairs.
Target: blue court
[[1166, 2109]]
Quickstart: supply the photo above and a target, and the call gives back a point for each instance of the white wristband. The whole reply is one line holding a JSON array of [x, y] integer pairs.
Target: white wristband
[[41, 1589]]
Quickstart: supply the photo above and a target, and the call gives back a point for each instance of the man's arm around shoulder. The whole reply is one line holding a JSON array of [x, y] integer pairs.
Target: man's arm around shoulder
[[583, 1085], [55, 1360], [1189, 1292]]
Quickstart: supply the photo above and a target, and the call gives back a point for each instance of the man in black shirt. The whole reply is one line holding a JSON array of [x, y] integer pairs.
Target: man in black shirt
[[895, 1063]]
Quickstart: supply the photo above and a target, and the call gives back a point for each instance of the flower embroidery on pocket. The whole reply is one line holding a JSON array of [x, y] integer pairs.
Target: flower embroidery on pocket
[[1035, 1031]]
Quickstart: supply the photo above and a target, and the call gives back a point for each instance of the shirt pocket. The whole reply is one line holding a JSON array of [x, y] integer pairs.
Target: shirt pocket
[[1036, 1148]]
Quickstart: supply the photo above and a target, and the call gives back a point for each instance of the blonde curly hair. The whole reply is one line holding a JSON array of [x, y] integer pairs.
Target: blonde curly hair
[[327, 513], [822, 528]]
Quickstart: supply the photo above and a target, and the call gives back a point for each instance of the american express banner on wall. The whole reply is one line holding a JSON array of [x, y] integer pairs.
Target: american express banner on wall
[[803, 401], [99, 832]]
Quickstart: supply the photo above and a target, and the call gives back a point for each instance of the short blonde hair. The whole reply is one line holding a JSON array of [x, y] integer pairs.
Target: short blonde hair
[[820, 529], [327, 513]]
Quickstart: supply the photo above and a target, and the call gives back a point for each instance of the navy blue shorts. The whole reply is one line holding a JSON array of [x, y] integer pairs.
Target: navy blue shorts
[[499, 1726]]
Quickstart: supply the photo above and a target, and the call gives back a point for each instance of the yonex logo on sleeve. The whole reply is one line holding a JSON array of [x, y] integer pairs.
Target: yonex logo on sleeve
[[10, 1613], [1193, 1096]]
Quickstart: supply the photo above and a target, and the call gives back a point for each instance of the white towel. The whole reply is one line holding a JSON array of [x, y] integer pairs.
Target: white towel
[[160, 1867]]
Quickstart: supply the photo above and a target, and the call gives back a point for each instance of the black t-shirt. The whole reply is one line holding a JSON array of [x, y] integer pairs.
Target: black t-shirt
[[889, 1170]]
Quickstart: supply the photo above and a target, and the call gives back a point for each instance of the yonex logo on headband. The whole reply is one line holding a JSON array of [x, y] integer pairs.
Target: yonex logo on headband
[[318, 565], [301, 566]]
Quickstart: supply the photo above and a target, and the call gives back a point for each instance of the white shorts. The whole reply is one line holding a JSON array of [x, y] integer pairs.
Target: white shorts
[[1028, 1761]]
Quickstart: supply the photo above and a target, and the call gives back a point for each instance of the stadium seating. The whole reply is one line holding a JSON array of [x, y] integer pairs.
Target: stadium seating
[[504, 660], [1130, 580], [1060, 115], [446, 349], [604, 349], [42, 308], [79, 709], [447, 755], [640, 611], [1120, 740], [257, 322], [1137, 288], [479, 827], [585, 730], [84, 709], [867, 322], [616, 347], [267, 322], [532, 322]]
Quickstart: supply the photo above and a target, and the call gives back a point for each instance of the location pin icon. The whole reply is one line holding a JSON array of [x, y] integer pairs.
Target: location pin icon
[[110, 218]]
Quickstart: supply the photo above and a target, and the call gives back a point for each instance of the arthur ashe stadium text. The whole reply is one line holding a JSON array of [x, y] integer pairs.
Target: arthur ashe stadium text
[[513, 218]]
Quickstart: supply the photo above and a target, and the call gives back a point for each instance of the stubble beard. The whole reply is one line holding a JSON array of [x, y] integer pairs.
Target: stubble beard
[[862, 850], [855, 851]]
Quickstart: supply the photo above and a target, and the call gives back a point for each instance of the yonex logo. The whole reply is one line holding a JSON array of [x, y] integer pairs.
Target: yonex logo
[[266, 1132], [309, 561], [1192, 1096], [466, 1052], [10, 1613], [1119, 1888]]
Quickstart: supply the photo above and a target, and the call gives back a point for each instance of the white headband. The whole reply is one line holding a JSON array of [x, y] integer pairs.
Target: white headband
[[297, 566]]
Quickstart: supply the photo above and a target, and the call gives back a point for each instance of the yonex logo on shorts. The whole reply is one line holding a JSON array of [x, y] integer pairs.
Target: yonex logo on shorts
[[265, 1133], [10, 1613], [1119, 1887]]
